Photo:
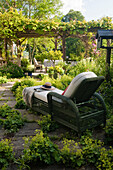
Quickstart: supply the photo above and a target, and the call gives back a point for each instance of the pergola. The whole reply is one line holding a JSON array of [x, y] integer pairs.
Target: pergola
[[57, 35], [14, 26]]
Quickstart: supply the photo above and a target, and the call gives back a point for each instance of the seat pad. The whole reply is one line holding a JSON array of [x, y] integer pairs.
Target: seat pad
[[39, 93], [42, 95]]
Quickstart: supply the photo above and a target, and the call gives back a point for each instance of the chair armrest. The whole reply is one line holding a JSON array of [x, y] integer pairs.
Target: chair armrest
[[64, 99], [100, 98]]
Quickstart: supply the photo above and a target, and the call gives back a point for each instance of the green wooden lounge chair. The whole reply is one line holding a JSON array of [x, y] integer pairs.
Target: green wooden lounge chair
[[83, 109], [79, 108]]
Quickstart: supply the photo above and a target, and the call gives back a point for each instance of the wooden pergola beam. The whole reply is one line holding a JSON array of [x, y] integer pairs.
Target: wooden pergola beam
[[54, 33]]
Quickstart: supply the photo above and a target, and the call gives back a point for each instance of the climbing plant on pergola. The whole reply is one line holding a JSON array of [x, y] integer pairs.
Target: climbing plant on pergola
[[14, 26]]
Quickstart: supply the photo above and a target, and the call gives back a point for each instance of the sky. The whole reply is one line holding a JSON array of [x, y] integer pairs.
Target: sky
[[90, 9]]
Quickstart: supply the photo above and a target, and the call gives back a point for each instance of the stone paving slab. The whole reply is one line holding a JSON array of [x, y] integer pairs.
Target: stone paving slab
[[7, 85], [29, 116], [1, 93], [1, 133], [27, 130], [11, 103], [8, 93], [18, 140], [2, 89], [7, 98], [2, 102]]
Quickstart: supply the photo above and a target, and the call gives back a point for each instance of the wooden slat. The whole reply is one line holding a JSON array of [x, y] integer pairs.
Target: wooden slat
[[74, 127], [62, 111], [98, 113]]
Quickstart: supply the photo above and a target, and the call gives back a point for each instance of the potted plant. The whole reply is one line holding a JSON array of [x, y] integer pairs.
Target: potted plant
[[30, 69]]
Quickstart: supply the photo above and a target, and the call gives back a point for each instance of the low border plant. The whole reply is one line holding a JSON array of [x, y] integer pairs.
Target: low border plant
[[3, 80], [109, 131], [39, 149], [13, 119], [6, 153], [47, 124]]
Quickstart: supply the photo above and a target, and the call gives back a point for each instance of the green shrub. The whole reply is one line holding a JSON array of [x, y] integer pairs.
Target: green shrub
[[90, 149], [105, 161], [39, 149], [106, 90], [24, 62], [13, 119], [15, 86], [28, 82], [12, 71], [56, 69], [62, 64], [63, 82], [17, 90], [3, 80], [40, 76], [47, 125], [13, 122], [30, 68], [20, 104], [6, 154], [97, 66], [71, 154], [5, 110], [109, 131]]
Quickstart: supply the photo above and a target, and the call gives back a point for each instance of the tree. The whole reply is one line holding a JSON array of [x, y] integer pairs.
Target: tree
[[74, 46], [73, 15], [39, 9]]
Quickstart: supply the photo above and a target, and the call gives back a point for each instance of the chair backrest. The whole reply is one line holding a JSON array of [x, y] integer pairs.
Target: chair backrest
[[83, 86]]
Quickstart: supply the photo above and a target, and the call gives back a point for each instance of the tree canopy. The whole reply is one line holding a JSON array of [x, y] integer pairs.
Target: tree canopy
[[74, 46], [33, 8], [73, 15]]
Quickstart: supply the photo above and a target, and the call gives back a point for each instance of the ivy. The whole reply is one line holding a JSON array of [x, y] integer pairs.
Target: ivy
[[13, 23]]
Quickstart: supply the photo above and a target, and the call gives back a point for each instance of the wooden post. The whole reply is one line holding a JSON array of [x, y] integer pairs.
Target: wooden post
[[108, 56], [0, 52], [6, 52], [55, 44], [64, 47], [18, 53]]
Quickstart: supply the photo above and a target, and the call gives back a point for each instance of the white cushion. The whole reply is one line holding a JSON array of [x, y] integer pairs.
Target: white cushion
[[42, 95], [76, 82]]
